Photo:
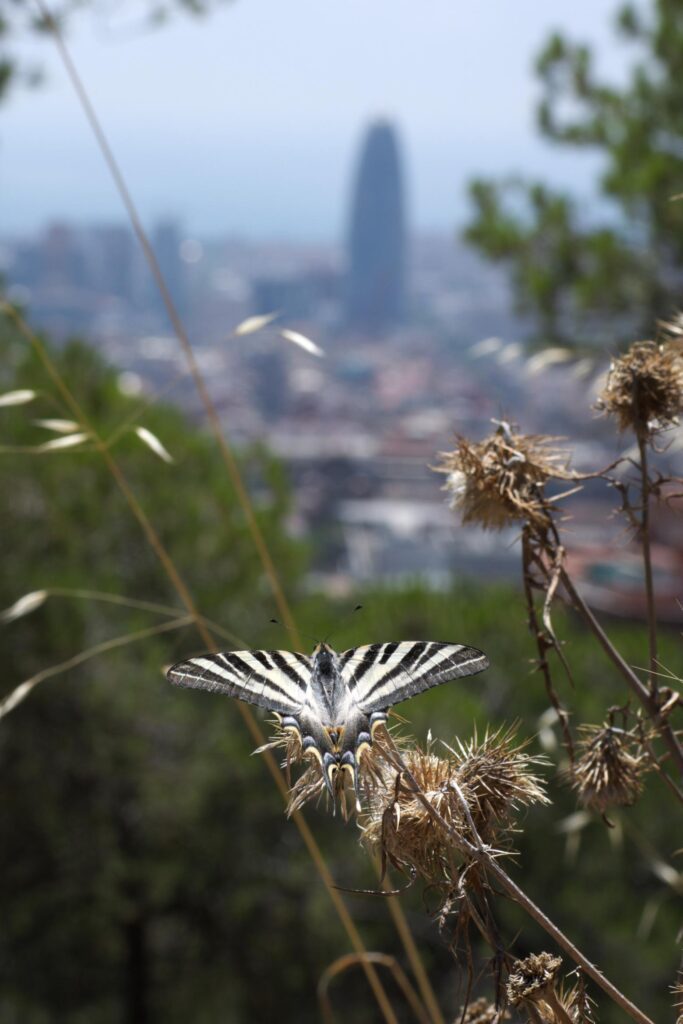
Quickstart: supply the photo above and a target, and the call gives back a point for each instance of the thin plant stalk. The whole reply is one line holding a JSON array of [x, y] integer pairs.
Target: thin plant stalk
[[21, 692], [147, 606], [224, 448], [544, 643], [647, 699], [382, 959], [647, 562], [178, 326], [406, 936], [186, 597]]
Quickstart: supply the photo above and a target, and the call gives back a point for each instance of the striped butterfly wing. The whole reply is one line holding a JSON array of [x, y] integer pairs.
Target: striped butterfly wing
[[274, 680], [380, 675]]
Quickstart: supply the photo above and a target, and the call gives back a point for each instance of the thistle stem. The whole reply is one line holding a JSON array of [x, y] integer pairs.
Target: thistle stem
[[647, 562], [480, 854], [646, 698], [543, 644]]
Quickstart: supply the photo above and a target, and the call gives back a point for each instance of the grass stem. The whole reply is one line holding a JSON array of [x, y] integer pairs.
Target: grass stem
[[185, 596], [178, 326]]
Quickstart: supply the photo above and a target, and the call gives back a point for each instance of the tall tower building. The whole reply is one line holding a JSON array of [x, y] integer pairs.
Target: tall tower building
[[376, 275]]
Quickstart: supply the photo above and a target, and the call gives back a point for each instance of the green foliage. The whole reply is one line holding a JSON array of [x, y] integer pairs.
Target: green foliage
[[581, 281], [19, 17], [147, 871]]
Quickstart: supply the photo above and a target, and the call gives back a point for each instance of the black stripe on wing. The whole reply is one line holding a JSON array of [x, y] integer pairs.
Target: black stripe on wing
[[274, 680], [380, 675]]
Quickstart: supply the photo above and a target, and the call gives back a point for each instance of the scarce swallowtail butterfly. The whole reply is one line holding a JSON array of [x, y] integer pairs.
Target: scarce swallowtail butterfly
[[333, 701]]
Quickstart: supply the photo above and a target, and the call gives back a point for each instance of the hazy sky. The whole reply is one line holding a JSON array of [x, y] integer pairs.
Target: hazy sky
[[248, 121]]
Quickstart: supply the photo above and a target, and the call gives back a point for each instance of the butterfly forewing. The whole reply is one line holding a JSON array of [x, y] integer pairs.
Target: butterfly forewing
[[381, 675], [274, 680]]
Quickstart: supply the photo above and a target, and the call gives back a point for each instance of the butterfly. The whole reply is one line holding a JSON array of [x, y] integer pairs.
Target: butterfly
[[334, 702]]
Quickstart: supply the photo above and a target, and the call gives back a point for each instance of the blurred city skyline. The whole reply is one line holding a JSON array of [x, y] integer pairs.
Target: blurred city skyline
[[241, 124]]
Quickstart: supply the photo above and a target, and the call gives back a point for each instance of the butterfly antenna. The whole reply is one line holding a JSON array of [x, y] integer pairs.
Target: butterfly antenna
[[341, 621], [276, 622]]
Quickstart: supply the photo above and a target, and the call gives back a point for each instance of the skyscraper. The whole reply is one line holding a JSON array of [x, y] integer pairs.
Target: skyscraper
[[376, 275]]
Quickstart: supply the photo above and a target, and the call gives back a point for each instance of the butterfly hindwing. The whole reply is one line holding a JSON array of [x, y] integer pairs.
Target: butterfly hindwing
[[381, 675], [274, 680]]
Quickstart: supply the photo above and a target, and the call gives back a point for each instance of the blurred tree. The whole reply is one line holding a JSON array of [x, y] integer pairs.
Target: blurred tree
[[21, 17], [147, 871], [581, 281]]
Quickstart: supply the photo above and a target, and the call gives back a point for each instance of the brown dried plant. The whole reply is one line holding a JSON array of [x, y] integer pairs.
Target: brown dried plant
[[477, 789], [500, 481], [531, 983], [576, 1002], [481, 1011], [607, 773], [644, 388]]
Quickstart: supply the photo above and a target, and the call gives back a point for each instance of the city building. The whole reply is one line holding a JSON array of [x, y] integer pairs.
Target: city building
[[376, 282]]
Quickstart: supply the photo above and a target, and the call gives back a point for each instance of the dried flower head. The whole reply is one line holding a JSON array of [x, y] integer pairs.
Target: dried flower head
[[500, 480], [480, 783], [402, 827], [533, 978], [607, 774], [481, 1011], [644, 388], [497, 776]]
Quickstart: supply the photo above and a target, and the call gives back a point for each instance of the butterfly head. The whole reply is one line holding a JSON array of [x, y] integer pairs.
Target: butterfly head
[[324, 659]]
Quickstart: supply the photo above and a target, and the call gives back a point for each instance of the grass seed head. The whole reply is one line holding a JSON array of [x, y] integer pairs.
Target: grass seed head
[[532, 979], [644, 388], [607, 774], [500, 481]]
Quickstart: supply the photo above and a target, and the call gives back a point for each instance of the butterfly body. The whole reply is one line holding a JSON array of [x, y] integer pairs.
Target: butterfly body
[[334, 702]]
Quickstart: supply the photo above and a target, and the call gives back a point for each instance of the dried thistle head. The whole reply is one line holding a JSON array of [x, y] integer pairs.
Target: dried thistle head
[[400, 826], [644, 388], [481, 1011], [497, 777], [479, 783], [607, 773], [500, 480], [533, 980]]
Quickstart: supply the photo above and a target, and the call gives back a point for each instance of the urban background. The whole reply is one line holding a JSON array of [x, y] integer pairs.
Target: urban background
[[148, 873]]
